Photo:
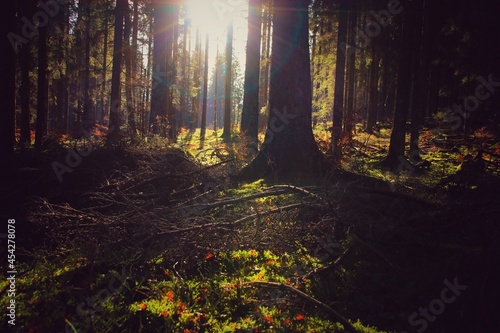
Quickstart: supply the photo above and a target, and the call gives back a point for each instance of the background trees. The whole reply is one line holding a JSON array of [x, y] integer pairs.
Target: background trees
[[373, 63]]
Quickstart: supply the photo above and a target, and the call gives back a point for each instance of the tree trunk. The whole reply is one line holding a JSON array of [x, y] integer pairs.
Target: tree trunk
[[421, 71], [265, 64], [338, 102], [87, 101], [371, 118], [197, 83], [250, 113], [350, 120], [216, 90], [25, 138], [114, 134], [174, 121], [205, 95], [397, 143], [184, 75], [104, 70], [43, 89], [8, 85], [129, 77], [289, 150], [159, 90], [226, 135], [170, 70]]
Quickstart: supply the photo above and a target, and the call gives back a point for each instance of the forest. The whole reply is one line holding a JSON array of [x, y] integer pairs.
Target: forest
[[250, 166]]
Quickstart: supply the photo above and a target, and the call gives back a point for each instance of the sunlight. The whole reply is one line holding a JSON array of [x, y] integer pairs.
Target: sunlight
[[212, 16]]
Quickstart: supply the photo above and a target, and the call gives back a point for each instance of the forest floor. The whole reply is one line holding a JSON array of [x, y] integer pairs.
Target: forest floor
[[156, 239]]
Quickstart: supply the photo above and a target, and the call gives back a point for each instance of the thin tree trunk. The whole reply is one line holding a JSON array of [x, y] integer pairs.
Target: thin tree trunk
[[351, 71], [226, 135], [104, 70], [114, 134], [25, 138], [129, 77], [373, 91], [43, 89], [205, 95], [184, 75], [87, 101], [338, 102], [197, 83], [216, 89]]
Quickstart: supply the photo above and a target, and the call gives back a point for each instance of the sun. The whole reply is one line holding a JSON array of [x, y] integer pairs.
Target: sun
[[213, 16]]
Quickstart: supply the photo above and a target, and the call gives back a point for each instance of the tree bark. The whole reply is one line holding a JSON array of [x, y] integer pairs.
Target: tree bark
[[104, 70], [8, 85], [289, 150], [250, 113], [129, 77], [197, 82], [350, 121], [338, 102], [87, 101], [114, 134], [397, 143], [226, 135], [43, 89], [205, 95], [421, 71], [25, 125], [371, 118]]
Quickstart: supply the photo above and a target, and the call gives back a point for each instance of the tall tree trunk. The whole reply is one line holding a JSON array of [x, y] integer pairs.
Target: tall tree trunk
[[197, 82], [87, 101], [174, 121], [421, 71], [205, 95], [170, 79], [371, 118], [147, 95], [397, 143], [160, 86], [184, 74], [289, 149], [115, 119], [104, 70], [250, 113], [8, 85], [129, 77], [351, 71], [338, 101], [43, 89], [216, 89], [25, 138], [226, 135], [265, 63]]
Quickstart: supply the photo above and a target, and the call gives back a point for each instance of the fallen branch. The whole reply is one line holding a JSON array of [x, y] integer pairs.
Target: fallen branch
[[226, 224], [235, 200], [333, 314]]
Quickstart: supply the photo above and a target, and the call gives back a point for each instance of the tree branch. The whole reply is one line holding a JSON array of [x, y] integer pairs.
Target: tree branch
[[333, 314]]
